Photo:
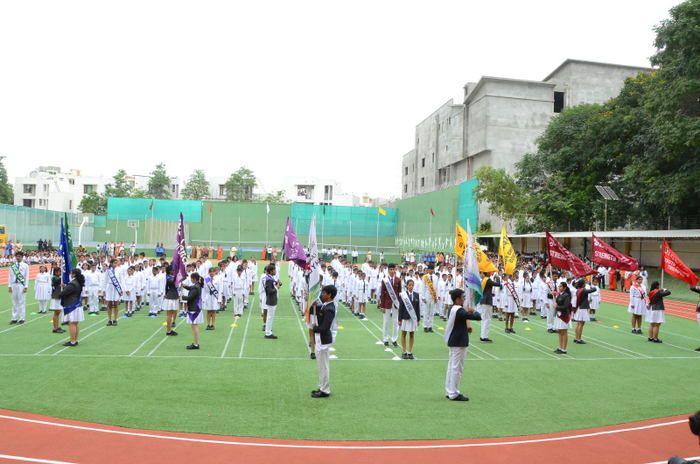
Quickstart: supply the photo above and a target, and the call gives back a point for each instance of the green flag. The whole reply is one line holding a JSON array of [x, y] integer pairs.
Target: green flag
[[71, 253]]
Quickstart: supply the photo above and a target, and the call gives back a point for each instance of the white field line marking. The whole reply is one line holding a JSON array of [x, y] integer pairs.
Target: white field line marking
[[81, 339], [524, 441], [530, 344], [247, 323], [230, 334], [10, 457], [65, 339], [17, 326], [301, 326], [606, 345], [368, 329], [637, 336], [473, 345], [256, 358], [146, 341], [10, 308], [150, 353], [608, 318]]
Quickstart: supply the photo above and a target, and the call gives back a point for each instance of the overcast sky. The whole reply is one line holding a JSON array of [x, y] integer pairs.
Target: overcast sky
[[288, 88]]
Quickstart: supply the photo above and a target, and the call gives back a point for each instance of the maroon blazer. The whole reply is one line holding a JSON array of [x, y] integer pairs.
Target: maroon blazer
[[385, 301]]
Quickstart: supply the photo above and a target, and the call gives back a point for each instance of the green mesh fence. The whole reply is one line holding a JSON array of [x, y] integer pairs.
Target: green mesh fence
[[28, 225], [142, 209], [419, 230]]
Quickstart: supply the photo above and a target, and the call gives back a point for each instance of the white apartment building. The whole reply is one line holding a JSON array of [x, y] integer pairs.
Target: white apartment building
[[47, 187]]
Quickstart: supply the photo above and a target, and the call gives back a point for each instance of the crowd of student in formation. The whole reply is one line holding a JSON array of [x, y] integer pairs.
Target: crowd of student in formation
[[559, 299]]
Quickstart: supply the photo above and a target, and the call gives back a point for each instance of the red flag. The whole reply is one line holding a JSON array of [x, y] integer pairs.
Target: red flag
[[674, 266], [562, 258], [608, 256]]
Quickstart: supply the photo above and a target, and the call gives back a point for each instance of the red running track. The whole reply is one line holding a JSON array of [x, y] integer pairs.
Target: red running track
[[45, 439]]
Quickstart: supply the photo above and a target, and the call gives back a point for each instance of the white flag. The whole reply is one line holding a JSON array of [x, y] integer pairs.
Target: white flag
[[267, 207], [314, 264]]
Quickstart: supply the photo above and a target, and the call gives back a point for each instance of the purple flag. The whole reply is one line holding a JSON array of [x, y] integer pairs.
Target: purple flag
[[293, 249], [180, 256]]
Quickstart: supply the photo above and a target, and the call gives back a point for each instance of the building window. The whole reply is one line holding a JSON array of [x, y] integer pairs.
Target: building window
[[222, 190], [46, 189], [327, 193], [28, 203], [70, 205], [29, 189], [445, 148], [558, 102], [42, 202], [422, 181], [405, 188], [305, 191], [71, 181], [422, 162], [89, 188], [433, 157], [405, 171]]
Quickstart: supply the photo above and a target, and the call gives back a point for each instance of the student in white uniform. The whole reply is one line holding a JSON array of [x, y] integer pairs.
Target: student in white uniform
[[92, 282], [429, 299], [156, 291], [129, 289], [211, 297], [409, 318], [18, 284], [638, 305], [113, 292], [42, 289], [239, 286], [512, 302]]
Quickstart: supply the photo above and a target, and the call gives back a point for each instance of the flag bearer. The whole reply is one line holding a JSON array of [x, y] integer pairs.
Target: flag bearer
[[457, 339], [325, 314]]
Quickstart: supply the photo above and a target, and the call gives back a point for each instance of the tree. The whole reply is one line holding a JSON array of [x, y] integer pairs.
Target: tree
[[93, 203], [275, 197], [121, 186], [140, 193], [505, 198], [159, 183], [6, 194], [240, 185], [197, 187]]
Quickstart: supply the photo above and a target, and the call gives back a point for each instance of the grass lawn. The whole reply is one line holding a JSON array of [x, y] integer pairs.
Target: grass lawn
[[242, 384]]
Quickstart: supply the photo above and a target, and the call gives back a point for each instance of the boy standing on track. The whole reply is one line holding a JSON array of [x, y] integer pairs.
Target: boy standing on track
[[18, 283], [270, 288], [389, 290], [457, 339], [325, 314]]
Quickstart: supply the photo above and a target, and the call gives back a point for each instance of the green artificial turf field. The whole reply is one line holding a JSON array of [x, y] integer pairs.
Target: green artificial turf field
[[242, 384]]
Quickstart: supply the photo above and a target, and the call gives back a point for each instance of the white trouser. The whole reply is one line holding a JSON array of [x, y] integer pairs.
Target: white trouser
[[19, 302], [455, 367], [428, 314], [93, 300], [391, 324], [324, 368], [43, 305], [550, 313], [270, 319], [153, 303], [238, 305], [486, 312]]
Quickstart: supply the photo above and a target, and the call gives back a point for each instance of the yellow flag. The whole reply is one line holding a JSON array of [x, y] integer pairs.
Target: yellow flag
[[485, 264], [506, 251], [382, 211], [460, 240]]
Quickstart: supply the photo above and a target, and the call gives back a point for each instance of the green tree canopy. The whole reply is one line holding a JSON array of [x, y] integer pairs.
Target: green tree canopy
[[275, 197], [505, 198], [240, 185], [6, 195], [93, 203], [121, 186], [197, 187], [159, 183]]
